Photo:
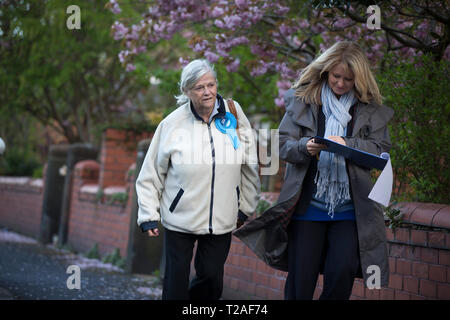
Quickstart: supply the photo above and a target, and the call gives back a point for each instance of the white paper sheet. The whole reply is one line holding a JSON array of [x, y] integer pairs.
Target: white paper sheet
[[381, 191]]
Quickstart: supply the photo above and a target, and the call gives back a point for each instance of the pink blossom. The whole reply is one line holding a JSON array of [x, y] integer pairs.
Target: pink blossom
[[241, 4], [234, 66], [231, 22], [279, 102], [219, 23], [200, 46], [119, 30], [211, 56], [115, 7], [130, 67], [259, 70], [184, 62], [123, 55], [217, 12]]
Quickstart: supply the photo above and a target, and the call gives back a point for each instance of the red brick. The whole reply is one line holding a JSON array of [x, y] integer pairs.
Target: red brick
[[407, 208], [403, 266], [396, 281], [246, 286], [389, 234], [443, 291], [317, 293], [424, 214], [413, 253], [447, 240], [430, 255], [419, 237], [442, 218], [392, 264], [261, 278], [372, 294], [420, 270], [436, 239], [411, 284], [427, 288], [444, 257], [358, 288], [402, 235], [274, 294], [448, 274], [401, 295], [320, 280], [261, 292], [438, 273], [276, 283], [397, 250], [387, 294]]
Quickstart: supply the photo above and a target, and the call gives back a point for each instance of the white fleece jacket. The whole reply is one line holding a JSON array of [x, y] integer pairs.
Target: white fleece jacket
[[193, 180]]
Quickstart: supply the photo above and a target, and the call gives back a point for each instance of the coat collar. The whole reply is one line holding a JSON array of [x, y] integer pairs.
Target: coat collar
[[305, 115], [221, 111], [301, 113]]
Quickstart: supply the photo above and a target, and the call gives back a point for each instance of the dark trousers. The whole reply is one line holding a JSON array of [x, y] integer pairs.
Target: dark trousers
[[321, 245], [212, 251]]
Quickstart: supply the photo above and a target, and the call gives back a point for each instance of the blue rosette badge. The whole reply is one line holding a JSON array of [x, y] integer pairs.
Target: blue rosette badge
[[227, 125]]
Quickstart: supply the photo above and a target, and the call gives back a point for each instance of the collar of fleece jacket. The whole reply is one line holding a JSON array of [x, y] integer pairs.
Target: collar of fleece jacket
[[221, 110]]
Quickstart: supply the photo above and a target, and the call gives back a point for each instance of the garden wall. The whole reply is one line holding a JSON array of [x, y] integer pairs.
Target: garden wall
[[419, 261], [21, 204], [100, 211]]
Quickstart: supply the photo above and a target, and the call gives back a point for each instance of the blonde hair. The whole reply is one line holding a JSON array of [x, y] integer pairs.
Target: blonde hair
[[309, 84]]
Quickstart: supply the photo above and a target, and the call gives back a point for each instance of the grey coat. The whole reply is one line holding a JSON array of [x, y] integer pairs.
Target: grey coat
[[267, 236]]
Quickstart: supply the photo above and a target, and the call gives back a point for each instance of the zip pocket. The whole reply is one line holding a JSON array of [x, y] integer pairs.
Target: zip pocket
[[175, 201], [238, 192]]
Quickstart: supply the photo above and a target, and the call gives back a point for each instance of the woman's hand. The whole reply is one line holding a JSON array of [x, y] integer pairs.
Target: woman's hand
[[314, 148], [337, 139], [153, 232]]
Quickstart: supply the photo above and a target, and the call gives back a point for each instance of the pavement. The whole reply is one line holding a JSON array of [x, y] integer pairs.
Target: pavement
[[32, 271]]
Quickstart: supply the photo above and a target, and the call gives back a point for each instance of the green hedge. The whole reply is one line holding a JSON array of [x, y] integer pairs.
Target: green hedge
[[419, 93]]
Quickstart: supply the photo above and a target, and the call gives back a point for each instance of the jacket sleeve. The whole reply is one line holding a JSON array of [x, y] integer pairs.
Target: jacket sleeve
[[150, 181], [250, 183], [292, 142], [375, 133]]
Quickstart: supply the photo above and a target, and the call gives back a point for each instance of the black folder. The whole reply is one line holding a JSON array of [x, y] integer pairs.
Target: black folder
[[359, 157]]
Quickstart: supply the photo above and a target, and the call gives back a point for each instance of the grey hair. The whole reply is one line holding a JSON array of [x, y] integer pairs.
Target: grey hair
[[191, 73]]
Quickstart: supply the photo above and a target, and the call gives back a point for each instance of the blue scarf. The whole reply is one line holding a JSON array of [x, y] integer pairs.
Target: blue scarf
[[331, 178]]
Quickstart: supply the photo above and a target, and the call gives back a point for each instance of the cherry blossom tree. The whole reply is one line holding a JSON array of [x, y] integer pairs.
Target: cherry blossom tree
[[280, 37]]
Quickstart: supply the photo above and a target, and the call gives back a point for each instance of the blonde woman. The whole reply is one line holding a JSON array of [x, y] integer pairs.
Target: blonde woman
[[323, 221]]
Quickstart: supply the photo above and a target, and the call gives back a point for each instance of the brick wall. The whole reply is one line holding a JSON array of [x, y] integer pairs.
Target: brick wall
[[98, 215], [419, 260], [21, 204], [101, 195], [118, 153], [419, 254]]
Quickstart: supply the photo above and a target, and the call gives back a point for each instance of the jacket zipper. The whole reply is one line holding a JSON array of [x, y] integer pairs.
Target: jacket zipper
[[213, 153]]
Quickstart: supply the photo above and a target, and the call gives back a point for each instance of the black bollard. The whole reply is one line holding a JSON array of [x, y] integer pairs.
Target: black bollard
[[53, 191]]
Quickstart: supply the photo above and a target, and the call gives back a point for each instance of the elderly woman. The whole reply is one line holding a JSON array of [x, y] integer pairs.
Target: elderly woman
[[332, 226], [200, 179]]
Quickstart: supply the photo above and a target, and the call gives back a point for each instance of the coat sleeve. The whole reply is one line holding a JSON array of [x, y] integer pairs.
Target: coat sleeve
[[151, 178], [375, 139], [292, 142], [250, 184]]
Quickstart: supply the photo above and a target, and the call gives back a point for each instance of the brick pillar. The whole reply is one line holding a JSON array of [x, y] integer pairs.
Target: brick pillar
[[118, 153]]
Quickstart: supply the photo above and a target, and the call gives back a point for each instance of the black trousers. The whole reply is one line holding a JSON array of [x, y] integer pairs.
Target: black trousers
[[210, 257], [321, 245]]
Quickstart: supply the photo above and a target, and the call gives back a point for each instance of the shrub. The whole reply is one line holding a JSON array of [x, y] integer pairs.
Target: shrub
[[18, 162], [418, 92]]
